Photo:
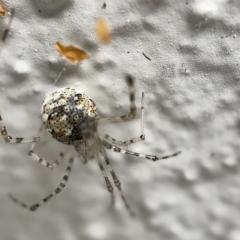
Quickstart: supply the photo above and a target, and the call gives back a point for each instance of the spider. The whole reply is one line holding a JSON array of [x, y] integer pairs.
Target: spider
[[71, 117]]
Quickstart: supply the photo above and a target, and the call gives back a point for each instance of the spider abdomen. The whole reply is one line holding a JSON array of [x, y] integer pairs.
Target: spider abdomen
[[65, 113]]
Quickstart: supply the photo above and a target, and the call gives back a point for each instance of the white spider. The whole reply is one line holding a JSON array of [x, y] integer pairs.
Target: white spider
[[71, 118]]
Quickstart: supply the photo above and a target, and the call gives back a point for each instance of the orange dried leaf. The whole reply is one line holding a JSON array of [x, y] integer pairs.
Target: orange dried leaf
[[71, 53], [102, 31], [2, 10]]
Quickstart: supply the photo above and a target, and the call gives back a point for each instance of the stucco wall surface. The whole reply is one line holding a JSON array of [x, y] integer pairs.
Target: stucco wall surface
[[192, 92]]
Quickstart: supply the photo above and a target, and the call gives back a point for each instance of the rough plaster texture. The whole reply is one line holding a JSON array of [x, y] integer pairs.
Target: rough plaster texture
[[192, 104]]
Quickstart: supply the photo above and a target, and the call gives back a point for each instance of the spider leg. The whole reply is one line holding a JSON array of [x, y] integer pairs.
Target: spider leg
[[59, 188], [153, 158], [42, 161], [4, 134], [107, 181], [90, 132], [132, 111], [114, 141], [18, 140], [117, 183], [131, 141]]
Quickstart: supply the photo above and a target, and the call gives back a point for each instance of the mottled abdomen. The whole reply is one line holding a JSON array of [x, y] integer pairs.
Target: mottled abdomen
[[66, 114]]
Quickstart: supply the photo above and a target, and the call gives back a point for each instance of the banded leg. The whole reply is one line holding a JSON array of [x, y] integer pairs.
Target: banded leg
[[4, 134], [107, 181], [8, 139], [60, 187], [132, 111], [131, 141], [42, 161], [117, 183], [89, 134], [114, 141], [153, 158]]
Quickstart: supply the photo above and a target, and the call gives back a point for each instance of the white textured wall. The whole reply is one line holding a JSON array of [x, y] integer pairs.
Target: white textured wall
[[192, 104]]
